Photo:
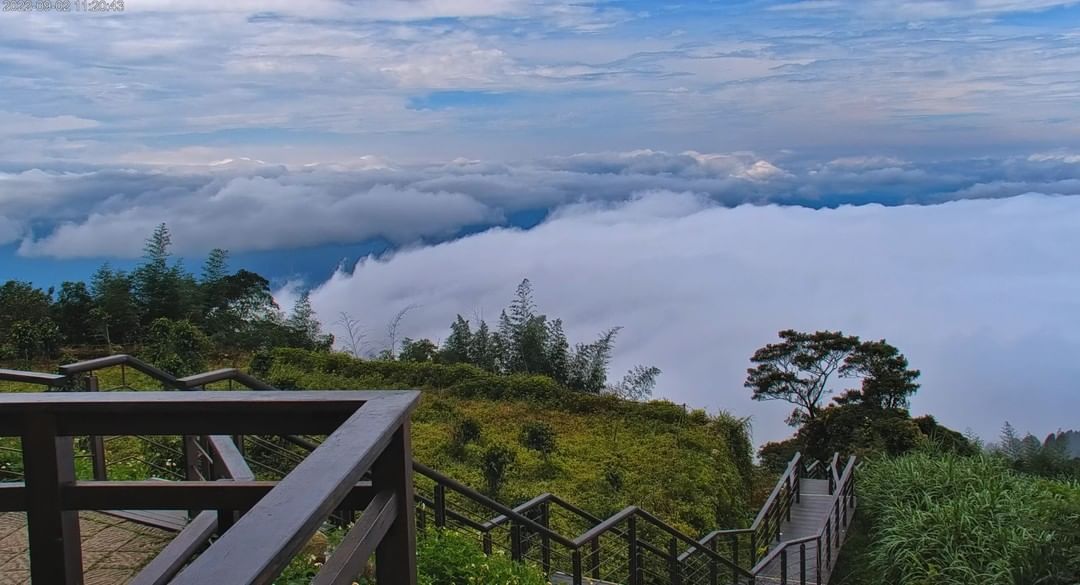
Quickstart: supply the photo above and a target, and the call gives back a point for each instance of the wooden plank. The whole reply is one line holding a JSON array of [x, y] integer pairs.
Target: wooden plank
[[178, 552], [264, 540], [12, 496], [396, 552], [222, 375], [171, 520], [183, 495], [229, 463], [175, 413], [49, 462], [351, 556]]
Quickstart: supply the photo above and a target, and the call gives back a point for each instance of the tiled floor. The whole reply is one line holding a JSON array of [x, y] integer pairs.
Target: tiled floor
[[113, 549]]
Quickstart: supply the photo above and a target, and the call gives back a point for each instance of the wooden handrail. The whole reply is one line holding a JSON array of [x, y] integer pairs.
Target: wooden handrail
[[372, 434]]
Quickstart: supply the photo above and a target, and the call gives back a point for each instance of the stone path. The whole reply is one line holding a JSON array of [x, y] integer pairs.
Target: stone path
[[113, 549]]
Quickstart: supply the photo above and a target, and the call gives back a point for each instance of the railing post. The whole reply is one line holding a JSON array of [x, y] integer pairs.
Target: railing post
[[753, 547], [395, 555], [631, 537], [818, 559], [674, 570], [575, 560], [49, 462], [735, 557], [96, 443], [515, 540], [714, 571], [828, 543], [783, 566], [594, 557], [487, 542], [802, 563], [440, 505], [787, 500], [545, 540]]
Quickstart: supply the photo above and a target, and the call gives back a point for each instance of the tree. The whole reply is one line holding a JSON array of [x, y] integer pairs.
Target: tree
[[73, 312], [305, 326], [21, 301], [798, 369], [588, 365], [482, 348], [178, 347], [216, 266], [457, 346], [637, 384], [887, 382], [420, 350], [496, 463], [116, 315], [539, 437], [558, 352], [163, 290]]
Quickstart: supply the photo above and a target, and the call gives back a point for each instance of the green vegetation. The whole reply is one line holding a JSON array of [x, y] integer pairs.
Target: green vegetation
[[688, 467], [442, 558], [934, 517]]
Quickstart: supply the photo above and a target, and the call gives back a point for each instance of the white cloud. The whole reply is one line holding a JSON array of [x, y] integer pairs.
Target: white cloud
[[980, 295], [251, 204], [16, 124]]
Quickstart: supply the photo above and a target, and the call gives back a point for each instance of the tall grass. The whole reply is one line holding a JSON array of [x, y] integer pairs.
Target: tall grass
[[941, 518]]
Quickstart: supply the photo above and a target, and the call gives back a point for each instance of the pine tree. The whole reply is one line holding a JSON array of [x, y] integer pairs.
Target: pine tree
[[482, 350], [216, 266], [456, 348]]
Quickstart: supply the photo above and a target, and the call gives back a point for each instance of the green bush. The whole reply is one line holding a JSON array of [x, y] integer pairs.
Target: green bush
[[496, 463], [442, 558], [945, 518], [448, 558], [539, 437]]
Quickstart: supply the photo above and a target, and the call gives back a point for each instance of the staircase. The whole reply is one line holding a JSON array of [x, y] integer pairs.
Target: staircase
[[795, 538]]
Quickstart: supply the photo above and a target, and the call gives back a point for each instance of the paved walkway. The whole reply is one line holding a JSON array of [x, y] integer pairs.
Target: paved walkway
[[113, 549]]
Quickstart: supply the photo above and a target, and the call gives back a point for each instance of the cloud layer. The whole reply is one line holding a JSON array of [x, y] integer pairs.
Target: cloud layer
[[981, 295], [332, 80], [248, 205]]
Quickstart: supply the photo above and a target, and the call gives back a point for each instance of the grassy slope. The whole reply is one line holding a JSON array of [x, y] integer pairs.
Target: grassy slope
[[689, 468]]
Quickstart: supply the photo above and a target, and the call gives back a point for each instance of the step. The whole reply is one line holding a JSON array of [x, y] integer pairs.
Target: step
[[564, 579]]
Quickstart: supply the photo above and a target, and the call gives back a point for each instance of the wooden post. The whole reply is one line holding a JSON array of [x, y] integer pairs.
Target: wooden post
[[55, 546], [395, 557], [515, 541], [631, 537], [575, 560], [96, 444]]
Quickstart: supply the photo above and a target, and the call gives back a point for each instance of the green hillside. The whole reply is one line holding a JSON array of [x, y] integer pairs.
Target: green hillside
[[691, 468]]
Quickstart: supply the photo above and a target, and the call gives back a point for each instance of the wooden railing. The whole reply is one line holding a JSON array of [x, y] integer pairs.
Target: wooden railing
[[260, 526]]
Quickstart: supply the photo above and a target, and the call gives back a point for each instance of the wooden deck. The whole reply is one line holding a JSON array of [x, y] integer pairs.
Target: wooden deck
[[113, 549], [807, 518]]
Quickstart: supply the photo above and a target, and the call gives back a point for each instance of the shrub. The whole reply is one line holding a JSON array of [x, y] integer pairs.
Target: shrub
[[465, 431], [448, 558], [496, 464], [539, 437], [965, 521]]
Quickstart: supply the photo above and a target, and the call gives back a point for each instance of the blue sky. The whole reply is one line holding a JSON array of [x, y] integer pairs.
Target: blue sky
[[303, 136]]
